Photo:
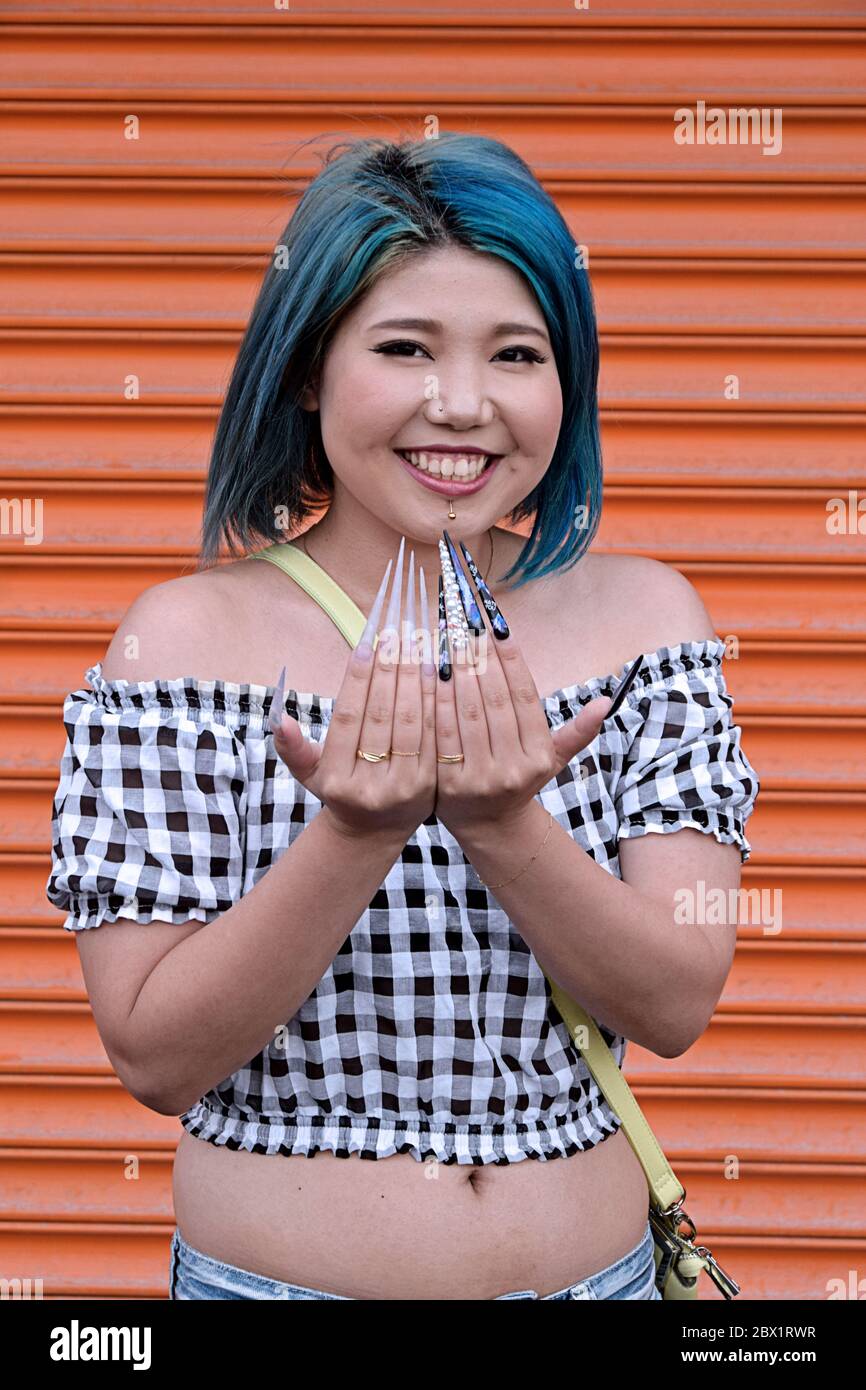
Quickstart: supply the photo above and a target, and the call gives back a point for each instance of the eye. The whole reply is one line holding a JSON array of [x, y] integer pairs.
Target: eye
[[394, 349], [532, 355]]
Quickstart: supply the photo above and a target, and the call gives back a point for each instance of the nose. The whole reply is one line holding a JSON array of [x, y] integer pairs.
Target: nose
[[462, 406]]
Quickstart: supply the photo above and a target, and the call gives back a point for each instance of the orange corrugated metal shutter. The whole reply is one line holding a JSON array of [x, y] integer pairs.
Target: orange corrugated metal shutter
[[144, 181]]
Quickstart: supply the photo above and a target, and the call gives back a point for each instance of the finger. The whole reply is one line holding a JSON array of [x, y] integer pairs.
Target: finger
[[463, 620], [378, 721], [350, 701], [532, 729], [503, 729], [300, 754], [407, 730], [429, 682], [447, 730], [578, 733]]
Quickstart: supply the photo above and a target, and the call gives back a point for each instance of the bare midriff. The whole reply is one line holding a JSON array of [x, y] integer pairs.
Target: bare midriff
[[397, 1228]]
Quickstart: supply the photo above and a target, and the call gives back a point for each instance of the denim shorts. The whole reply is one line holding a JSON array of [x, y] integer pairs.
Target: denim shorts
[[194, 1275]]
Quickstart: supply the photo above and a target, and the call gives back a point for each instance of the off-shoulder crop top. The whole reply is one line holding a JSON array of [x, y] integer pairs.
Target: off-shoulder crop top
[[432, 1032]]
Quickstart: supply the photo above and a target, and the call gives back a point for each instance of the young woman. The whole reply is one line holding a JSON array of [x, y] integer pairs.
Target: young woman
[[328, 949]]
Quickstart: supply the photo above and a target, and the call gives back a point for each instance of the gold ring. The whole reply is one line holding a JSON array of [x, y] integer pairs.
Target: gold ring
[[373, 757], [397, 754], [449, 757]]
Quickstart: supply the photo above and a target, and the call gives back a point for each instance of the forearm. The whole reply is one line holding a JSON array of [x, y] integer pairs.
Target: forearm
[[612, 949], [216, 1000]]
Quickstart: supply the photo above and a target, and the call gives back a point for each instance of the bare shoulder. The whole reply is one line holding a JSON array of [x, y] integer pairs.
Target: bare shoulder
[[168, 630], [650, 604]]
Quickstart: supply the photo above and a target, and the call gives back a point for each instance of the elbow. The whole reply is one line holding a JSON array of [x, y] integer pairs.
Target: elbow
[[162, 1105], [159, 1101], [681, 1033], [669, 1047], [159, 1098]]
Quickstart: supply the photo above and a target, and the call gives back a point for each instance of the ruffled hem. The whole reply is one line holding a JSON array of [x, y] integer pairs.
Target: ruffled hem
[[88, 912], [657, 667], [372, 1138], [658, 821]]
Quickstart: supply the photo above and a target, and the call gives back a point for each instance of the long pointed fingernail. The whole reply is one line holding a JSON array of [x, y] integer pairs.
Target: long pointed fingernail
[[409, 626], [455, 613], [389, 637], [444, 650], [427, 637], [392, 617], [624, 686], [491, 608], [470, 607], [364, 649], [278, 701]]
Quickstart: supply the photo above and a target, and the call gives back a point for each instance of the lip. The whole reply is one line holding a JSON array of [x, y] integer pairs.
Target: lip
[[449, 487], [456, 449]]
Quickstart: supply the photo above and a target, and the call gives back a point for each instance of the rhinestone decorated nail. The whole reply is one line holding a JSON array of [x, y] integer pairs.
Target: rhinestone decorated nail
[[491, 608], [458, 627], [470, 607]]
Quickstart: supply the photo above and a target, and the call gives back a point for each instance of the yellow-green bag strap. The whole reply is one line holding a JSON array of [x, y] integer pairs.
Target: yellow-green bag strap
[[664, 1188]]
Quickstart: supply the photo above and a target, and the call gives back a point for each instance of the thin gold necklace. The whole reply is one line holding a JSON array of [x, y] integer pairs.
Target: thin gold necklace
[[483, 572]]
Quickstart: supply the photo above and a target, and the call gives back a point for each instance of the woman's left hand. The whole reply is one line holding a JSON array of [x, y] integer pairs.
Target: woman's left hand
[[491, 712]]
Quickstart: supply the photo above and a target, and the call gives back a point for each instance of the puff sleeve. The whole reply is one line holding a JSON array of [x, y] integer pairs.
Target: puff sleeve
[[684, 764], [148, 815]]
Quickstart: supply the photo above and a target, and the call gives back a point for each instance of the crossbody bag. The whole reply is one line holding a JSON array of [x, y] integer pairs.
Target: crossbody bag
[[678, 1259]]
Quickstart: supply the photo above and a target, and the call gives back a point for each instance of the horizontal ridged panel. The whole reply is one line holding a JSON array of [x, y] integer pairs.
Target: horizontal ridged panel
[[125, 1261], [708, 263], [829, 829], [667, 15], [832, 752], [137, 442], [688, 373], [283, 58], [761, 1049], [803, 525], [788, 676], [675, 220], [773, 974], [224, 135], [42, 1185], [215, 292]]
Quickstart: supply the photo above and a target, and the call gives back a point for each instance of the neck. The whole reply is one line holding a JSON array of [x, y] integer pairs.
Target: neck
[[354, 546]]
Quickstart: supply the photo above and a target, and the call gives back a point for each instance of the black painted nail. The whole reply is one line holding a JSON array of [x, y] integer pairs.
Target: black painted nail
[[491, 608], [623, 688], [467, 598], [444, 650]]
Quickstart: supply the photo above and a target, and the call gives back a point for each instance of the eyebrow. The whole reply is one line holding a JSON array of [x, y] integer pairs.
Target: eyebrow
[[500, 330]]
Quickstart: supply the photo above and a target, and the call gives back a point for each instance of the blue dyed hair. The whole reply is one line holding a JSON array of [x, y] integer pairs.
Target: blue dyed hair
[[374, 203]]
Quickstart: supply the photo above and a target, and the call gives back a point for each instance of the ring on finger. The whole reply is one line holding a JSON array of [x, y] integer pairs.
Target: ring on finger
[[374, 757]]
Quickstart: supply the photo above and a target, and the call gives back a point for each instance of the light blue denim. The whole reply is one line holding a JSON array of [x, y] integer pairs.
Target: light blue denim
[[194, 1275]]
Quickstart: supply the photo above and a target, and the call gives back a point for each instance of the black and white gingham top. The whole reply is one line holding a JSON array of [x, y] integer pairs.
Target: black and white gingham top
[[432, 1032]]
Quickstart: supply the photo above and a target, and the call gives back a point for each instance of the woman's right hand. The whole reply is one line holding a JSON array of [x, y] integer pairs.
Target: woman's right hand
[[386, 701]]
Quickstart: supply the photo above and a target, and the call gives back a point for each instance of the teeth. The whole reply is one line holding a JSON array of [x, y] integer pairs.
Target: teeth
[[466, 467]]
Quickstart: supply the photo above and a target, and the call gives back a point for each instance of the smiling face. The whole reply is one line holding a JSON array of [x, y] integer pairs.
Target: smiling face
[[448, 352]]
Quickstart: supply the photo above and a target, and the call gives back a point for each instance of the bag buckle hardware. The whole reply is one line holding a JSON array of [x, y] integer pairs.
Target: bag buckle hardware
[[685, 1241], [720, 1278]]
